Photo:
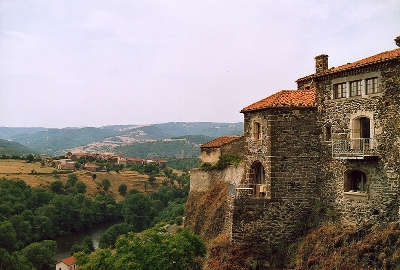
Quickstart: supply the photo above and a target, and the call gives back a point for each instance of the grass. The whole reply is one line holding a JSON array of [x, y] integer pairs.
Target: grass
[[20, 169]]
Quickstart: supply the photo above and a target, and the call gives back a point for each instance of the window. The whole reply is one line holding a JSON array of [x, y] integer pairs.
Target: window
[[257, 131], [356, 181], [328, 132], [339, 90], [355, 88], [372, 86]]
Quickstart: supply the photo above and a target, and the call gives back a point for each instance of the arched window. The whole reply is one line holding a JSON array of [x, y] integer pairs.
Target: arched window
[[257, 131], [257, 179], [355, 181], [360, 132]]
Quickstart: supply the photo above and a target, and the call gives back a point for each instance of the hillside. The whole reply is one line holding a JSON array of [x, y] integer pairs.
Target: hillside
[[44, 176], [106, 139], [13, 148]]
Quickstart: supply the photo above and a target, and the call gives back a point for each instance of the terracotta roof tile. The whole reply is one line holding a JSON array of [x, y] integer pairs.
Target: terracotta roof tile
[[218, 142], [285, 98], [69, 261], [366, 61]]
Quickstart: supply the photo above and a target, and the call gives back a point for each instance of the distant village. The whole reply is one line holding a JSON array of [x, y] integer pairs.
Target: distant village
[[90, 161]]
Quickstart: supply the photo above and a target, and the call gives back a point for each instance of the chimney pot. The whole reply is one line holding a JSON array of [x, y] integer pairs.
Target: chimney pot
[[321, 63], [397, 40]]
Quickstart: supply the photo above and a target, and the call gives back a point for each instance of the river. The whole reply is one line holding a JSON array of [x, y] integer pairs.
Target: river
[[64, 243]]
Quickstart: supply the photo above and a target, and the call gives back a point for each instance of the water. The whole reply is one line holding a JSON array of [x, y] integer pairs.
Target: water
[[64, 243]]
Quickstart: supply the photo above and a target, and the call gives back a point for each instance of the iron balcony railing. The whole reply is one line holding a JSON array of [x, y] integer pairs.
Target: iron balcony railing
[[251, 190], [354, 148]]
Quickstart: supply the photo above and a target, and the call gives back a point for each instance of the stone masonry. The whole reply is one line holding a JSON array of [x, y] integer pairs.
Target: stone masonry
[[336, 140]]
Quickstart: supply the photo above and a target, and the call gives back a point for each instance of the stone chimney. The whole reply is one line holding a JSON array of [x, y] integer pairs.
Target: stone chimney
[[321, 63], [397, 40]]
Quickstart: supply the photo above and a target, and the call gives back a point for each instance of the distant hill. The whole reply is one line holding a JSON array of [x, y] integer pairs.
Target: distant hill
[[13, 148], [160, 149], [105, 139], [9, 132], [54, 141], [196, 139]]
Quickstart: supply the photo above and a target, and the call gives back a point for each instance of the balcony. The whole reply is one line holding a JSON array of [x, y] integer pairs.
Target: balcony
[[251, 190], [359, 148]]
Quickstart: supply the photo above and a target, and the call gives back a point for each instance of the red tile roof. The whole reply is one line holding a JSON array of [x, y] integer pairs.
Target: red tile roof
[[91, 166], [69, 261], [366, 61], [134, 159], [218, 142], [285, 98]]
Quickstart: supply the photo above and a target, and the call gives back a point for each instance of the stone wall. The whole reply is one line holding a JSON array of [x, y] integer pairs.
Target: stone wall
[[235, 147], [201, 181], [381, 201], [210, 155], [289, 152], [267, 222]]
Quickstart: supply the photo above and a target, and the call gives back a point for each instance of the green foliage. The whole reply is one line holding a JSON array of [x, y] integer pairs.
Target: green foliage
[[57, 187], [151, 249], [29, 215], [183, 164], [109, 237], [122, 189], [105, 184], [160, 149], [173, 213], [8, 236], [40, 254], [30, 158], [152, 179], [12, 149], [223, 162], [138, 211], [72, 179], [80, 187], [86, 246]]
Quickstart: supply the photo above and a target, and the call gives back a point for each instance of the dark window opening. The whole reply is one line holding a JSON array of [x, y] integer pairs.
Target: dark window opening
[[257, 131], [356, 181], [257, 178], [328, 132]]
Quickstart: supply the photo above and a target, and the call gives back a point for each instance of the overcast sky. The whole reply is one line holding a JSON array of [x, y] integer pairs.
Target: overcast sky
[[99, 62]]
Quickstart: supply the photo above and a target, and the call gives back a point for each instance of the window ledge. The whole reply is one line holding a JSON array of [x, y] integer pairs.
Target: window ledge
[[362, 196]]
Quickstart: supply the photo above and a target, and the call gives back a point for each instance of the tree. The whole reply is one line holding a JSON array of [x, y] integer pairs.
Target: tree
[[30, 158], [152, 179], [8, 236], [109, 237], [80, 187], [72, 179], [151, 249], [106, 184], [57, 187], [122, 189], [41, 254], [137, 210]]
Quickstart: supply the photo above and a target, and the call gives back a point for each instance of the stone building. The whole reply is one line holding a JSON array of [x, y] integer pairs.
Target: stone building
[[336, 139], [212, 150]]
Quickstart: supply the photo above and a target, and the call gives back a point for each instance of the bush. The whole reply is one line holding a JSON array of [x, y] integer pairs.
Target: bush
[[122, 189], [80, 187], [106, 184], [223, 162], [57, 187]]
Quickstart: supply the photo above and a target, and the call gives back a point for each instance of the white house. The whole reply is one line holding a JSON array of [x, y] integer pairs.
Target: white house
[[67, 264]]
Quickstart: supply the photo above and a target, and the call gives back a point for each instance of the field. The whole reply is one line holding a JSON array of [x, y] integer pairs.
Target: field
[[20, 169]]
